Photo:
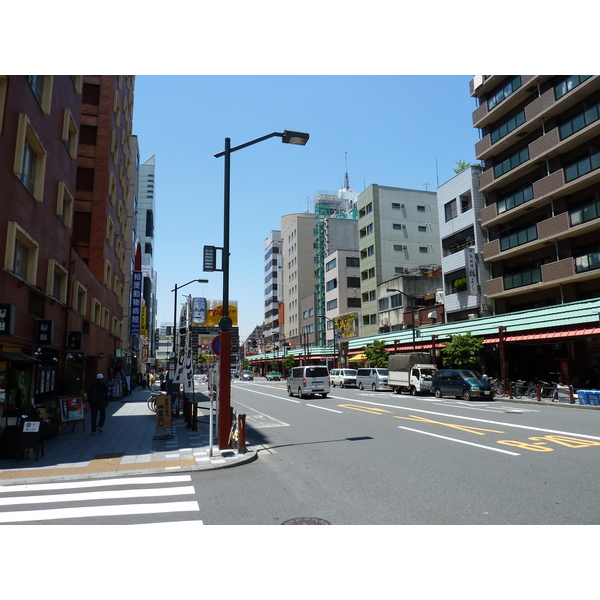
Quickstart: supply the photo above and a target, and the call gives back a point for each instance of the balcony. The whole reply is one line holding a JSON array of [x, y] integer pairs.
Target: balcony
[[459, 301]]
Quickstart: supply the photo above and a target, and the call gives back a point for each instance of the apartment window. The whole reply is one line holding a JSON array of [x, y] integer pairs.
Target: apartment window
[[57, 281], [372, 296], [331, 285], [523, 195], [508, 126], [79, 298], [69, 133], [149, 223], [398, 226], [30, 159], [64, 205], [330, 265], [399, 247], [420, 208], [517, 238], [332, 304], [148, 249], [107, 274], [370, 250], [352, 261], [512, 162], [354, 302], [110, 230], [384, 304], [373, 319], [369, 229], [422, 228], [396, 205], [41, 85], [96, 312], [579, 121], [450, 210], [423, 249], [582, 167], [465, 203], [353, 282], [504, 92], [586, 212], [587, 262], [522, 278], [21, 253], [369, 208], [568, 84], [396, 301]]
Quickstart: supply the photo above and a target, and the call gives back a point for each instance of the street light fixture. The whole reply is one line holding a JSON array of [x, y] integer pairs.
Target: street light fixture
[[335, 347], [174, 352], [298, 138], [412, 312]]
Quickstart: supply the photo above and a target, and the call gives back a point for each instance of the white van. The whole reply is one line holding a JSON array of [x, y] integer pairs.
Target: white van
[[372, 378], [308, 381], [343, 377]]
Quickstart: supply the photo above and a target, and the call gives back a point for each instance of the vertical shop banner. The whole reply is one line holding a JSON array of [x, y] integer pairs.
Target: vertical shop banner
[[198, 311], [183, 368], [136, 302], [471, 263]]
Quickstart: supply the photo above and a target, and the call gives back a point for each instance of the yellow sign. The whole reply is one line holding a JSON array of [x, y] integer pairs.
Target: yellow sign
[[214, 313]]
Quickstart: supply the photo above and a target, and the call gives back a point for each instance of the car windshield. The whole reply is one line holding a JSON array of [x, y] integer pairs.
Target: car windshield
[[382, 371], [427, 373], [471, 375], [351, 372]]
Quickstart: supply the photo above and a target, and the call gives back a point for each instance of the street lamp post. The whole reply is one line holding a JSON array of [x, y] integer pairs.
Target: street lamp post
[[335, 347], [174, 352], [298, 138], [412, 312]]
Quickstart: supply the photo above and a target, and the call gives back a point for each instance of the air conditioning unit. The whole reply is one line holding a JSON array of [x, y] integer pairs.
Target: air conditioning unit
[[439, 297]]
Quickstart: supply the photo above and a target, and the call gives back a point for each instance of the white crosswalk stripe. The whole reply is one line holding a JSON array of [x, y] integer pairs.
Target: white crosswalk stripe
[[100, 504]]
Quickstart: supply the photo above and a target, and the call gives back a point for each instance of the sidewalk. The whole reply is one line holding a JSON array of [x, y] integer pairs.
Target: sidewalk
[[130, 444]]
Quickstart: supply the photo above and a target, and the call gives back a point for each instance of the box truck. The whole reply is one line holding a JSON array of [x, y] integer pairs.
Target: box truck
[[410, 372]]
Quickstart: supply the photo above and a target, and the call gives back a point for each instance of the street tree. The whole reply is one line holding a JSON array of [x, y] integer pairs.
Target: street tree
[[377, 355], [463, 352]]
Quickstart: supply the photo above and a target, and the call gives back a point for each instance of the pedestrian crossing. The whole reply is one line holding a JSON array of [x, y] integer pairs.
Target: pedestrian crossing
[[120, 500]]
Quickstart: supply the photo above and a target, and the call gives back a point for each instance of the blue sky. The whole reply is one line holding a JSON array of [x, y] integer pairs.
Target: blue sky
[[402, 131]]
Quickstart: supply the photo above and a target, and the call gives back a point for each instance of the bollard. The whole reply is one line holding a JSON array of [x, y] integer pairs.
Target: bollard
[[510, 392], [538, 392], [241, 433], [571, 397], [195, 416]]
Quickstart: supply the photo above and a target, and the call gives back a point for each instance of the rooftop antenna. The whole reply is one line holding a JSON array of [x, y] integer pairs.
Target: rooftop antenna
[[346, 179], [426, 185]]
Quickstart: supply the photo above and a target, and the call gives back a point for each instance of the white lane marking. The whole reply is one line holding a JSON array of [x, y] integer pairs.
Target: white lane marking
[[430, 412], [323, 408], [460, 441], [98, 511], [274, 396], [69, 485], [104, 495]]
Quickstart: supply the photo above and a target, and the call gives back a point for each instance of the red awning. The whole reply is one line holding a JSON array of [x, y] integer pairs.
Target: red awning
[[546, 335]]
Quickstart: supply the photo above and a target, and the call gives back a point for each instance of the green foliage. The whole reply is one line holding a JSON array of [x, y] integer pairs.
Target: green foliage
[[274, 365], [461, 165], [460, 283], [289, 362], [463, 352], [377, 355], [201, 358]]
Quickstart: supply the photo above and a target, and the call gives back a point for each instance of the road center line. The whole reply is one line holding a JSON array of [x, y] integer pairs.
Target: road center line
[[323, 408], [460, 441]]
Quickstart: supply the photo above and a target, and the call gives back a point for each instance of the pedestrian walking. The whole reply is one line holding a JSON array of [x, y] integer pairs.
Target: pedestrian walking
[[98, 398]]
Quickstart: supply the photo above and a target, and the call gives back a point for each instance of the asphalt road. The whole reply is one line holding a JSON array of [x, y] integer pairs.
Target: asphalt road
[[379, 458]]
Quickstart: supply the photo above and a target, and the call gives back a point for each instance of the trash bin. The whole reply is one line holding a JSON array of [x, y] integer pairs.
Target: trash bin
[[594, 397], [583, 396]]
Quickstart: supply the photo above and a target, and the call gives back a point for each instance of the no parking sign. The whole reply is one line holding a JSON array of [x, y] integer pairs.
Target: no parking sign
[[216, 345]]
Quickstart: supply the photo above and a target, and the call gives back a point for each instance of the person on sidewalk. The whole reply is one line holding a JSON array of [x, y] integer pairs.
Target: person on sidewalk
[[98, 398]]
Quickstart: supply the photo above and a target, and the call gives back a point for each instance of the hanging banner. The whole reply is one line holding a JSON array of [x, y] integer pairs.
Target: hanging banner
[[471, 263], [345, 325], [183, 368], [136, 302], [198, 311]]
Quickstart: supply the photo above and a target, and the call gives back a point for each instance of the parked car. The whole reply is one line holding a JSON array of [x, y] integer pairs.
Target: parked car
[[343, 377], [308, 381], [273, 376], [247, 376], [461, 383], [372, 378]]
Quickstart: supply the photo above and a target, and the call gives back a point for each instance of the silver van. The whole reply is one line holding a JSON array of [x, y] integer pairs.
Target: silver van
[[372, 378], [343, 377], [308, 381]]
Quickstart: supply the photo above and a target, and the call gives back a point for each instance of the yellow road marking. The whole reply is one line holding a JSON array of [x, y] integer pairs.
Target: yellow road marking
[[373, 411], [475, 430]]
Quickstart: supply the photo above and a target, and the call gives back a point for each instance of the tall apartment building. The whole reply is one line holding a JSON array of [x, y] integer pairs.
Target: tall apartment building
[[539, 147], [64, 155], [298, 259], [464, 271], [273, 291], [145, 231], [398, 232]]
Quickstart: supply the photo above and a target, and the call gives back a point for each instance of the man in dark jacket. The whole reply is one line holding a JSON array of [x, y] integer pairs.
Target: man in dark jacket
[[98, 399]]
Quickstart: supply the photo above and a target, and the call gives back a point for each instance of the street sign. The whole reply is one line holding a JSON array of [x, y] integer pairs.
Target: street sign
[[216, 345]]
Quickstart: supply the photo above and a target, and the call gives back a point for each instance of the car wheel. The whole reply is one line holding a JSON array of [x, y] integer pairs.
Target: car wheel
[[360, 386], [323, 395], [437, 393], [466, 395], [290, 393], [413, 390], [342, 386], [300, 394]]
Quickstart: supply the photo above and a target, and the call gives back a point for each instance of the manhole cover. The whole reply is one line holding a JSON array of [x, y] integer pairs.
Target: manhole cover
[[306, 521]]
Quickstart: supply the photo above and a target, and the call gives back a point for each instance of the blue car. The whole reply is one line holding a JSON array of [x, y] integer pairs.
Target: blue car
[[461, 383]]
